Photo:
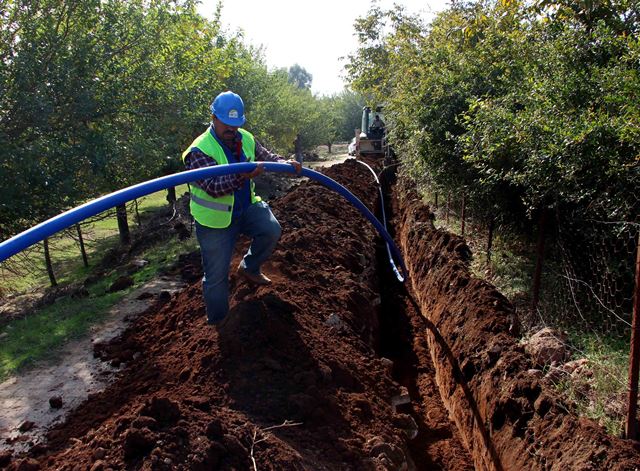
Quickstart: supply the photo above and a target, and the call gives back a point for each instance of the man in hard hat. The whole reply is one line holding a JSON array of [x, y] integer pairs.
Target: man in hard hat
[[224, 207]]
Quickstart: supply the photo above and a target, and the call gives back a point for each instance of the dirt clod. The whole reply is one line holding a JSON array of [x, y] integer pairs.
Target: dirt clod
[[55, 402], [162, 409], [121, 283], [5, 458], [138, 442], [26, 426]]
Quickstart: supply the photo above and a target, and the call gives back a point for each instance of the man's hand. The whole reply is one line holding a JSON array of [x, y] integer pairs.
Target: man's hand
[[259, 170], [297, 165]]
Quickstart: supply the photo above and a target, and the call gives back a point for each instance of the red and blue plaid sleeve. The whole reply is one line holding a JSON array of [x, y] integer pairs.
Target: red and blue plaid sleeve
[[214, 186]]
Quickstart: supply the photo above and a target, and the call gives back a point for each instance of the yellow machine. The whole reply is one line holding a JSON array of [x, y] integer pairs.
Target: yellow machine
[[371, 138]]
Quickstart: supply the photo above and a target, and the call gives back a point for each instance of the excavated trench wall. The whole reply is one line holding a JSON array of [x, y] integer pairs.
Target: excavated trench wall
[[506, 417]]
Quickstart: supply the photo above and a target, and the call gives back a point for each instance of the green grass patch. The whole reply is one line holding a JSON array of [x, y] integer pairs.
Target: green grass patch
[[99, 236], [601, 394], [511, 266], [40, 335]]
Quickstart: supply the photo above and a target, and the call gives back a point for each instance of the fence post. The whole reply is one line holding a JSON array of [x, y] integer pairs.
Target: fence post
[[631, 428]]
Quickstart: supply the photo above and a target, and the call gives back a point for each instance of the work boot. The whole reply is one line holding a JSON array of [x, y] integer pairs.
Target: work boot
[[259, 279]]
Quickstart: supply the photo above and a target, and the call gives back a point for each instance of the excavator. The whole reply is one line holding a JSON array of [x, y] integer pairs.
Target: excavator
[[371, 137]]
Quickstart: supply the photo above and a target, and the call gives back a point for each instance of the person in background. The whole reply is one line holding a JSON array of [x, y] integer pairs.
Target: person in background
[[226, 206], [377, 124]]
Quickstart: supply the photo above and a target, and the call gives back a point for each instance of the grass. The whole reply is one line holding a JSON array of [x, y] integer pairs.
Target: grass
[[600, 395], [511, 263], [40, 335], [65, 252]]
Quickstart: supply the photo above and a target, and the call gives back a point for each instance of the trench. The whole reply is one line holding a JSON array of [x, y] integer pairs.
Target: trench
[[403, 340]]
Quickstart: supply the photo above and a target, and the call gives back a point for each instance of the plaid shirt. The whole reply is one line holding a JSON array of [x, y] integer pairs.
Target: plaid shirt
[[225, 184]]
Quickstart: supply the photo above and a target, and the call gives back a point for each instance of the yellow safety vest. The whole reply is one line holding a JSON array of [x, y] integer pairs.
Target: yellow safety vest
[[216, 212]]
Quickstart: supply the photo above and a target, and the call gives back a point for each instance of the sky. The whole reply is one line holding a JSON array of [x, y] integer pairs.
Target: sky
[[312, 34]]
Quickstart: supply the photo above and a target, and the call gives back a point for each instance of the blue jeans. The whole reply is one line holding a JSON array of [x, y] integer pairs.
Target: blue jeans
[[216, 246]]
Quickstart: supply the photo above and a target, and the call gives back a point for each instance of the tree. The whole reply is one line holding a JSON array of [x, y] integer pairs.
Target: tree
[[300, 77]]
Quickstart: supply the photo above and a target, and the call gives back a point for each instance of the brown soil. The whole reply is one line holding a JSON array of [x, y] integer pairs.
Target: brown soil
[[299, 376], [506, 417]]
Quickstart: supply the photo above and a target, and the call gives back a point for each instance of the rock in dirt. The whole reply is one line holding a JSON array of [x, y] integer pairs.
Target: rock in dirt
[[401, 398], [5, 458], [120, 284], [26, 426], [386, 456], [162, 409], [547, 346], [579, 368], [407, 424], [55, 402]]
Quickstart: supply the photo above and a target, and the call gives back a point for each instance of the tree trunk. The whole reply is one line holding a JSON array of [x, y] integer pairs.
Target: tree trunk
[[448, 205], [135, 205], [298, 148], [123, 225], [492, 223], [329, 147], [436, 205], [171, 195], [47, 261], [85, 260], [535, 290], [462, 215]]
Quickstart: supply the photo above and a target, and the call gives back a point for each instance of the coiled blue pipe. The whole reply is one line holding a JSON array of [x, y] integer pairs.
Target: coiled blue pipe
[[45, 229]]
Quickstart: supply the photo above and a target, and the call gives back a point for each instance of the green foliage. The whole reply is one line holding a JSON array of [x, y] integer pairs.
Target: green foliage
[[99, 95], [524, 107], [299, 77]]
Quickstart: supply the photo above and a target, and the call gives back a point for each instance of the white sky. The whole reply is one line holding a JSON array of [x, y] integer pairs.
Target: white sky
[[313, 34]]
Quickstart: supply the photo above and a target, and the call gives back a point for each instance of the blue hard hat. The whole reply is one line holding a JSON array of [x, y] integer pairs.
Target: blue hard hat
[[228, 107]]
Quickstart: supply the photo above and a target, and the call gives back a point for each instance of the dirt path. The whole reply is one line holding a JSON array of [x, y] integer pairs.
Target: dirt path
[[25, 411]]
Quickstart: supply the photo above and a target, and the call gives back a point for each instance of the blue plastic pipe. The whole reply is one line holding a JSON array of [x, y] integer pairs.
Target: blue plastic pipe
[[394, 267], [45, 229]]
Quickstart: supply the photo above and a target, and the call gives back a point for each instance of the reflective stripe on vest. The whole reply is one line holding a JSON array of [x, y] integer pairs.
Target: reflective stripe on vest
[[211, 204], [205, 209]]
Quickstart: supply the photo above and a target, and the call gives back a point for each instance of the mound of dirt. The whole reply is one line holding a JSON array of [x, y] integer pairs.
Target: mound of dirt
[[290, 380]]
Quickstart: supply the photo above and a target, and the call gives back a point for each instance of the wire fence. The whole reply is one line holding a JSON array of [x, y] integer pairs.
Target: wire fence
[[586, 290]]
